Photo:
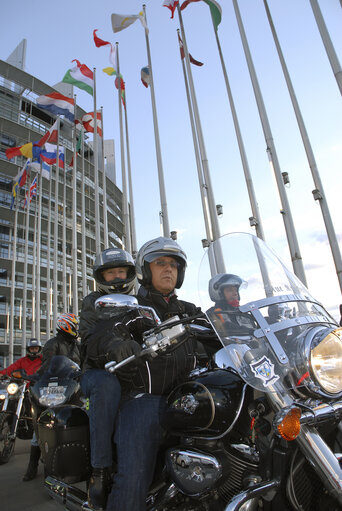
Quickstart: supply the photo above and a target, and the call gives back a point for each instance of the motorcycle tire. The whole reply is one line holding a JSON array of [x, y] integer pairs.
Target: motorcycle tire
[[6, 443]]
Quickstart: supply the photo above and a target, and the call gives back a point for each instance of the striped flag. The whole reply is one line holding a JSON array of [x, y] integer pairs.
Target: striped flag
[[57, 104], [192, 60], [32, 192], [171, 4], [215, 9], [80, 76]]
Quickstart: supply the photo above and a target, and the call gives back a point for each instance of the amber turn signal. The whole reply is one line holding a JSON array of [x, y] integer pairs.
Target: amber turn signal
[[289, 427]]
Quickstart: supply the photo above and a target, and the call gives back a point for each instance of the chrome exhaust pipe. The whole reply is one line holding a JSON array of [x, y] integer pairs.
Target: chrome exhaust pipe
[[248, 499], [72, 498]]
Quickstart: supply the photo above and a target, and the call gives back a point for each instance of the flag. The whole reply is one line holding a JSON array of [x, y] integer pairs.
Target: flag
[[145, 76], [122, 21], [171, 4], [35, 166], [50, 136], [49, 155], [23, 150], [80, 76], [78, 147], [192, 60], [119, 83], [32, 192], [19, 181], [215, 9], [109, 71], [31, 149], [99, 42], [57, 104], [88, 122]]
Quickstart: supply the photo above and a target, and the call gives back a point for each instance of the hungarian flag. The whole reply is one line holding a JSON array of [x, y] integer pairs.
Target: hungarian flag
[[192, 60], [88, 122], [215, 9], [171, 4], [57, 104], [122, 21], [80, 76]]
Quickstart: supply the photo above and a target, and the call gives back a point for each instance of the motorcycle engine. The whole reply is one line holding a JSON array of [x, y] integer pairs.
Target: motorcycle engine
[[193, 472]]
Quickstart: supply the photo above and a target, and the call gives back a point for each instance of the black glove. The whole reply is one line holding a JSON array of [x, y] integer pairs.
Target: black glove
[[122, 350]]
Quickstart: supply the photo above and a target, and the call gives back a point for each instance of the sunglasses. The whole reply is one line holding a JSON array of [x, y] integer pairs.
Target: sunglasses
[[161, 264]]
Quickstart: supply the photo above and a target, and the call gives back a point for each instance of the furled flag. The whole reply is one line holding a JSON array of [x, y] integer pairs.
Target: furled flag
[[19, 181], [78, 147], [57, 104], [49, 155], [80, 76], [145, 76], [215, 9], [32, 191], [122, 21], [120, 84], [171, 4], [88, 122], [192, 60]]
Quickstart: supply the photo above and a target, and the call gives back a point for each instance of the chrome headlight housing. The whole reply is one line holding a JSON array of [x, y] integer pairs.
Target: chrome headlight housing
[[322, 368], [12, 388], [52, 395]]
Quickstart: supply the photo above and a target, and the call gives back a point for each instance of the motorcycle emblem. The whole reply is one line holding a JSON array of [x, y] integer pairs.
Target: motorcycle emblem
[[187, 404], [264, 369]]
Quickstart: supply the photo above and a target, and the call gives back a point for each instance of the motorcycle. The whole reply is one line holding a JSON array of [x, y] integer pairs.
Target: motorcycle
[[259, 427], [15, 415]]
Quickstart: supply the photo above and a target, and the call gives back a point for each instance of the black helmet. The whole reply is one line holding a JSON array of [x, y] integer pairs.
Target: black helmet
[[30, 344], [112, 258], [159, 247], [220, 281]]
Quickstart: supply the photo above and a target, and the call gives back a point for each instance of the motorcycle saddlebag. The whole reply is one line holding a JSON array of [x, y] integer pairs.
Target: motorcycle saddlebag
[[63, 434]]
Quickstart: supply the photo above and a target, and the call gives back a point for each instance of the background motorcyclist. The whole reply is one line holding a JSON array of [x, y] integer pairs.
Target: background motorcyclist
[[114, 272], [160, 268], [31, 363]]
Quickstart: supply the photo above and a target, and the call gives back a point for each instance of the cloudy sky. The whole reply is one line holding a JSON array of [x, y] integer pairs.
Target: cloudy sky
[[55, 36]]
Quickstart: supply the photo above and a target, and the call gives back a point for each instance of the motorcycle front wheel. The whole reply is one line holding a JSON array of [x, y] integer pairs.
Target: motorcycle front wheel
[[6, 443]]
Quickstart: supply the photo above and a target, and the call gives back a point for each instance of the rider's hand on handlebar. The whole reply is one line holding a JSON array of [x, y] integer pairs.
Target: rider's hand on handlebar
[[123, 349]]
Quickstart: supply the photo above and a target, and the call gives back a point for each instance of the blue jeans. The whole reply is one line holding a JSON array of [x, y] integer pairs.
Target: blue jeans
[[138, 435], [104, 392]]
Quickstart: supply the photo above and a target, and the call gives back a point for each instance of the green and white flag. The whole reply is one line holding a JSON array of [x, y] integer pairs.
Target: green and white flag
[[80, 76], [215, 9]]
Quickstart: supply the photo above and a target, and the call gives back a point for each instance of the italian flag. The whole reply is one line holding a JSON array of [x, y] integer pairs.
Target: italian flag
[[215, 9], [80, 76]]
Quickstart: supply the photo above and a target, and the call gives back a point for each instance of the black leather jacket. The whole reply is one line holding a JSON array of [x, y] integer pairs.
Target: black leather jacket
[[61, 344]]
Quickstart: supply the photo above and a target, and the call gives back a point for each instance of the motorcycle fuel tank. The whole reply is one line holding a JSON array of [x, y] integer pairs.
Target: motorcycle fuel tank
[[205, 405]]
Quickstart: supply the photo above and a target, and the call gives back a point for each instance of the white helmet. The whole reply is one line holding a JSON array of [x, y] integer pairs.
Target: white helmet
[[220, 281]]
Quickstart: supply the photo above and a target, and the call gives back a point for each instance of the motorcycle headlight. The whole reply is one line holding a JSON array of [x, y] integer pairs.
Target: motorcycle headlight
[[12, 388], [326, 362], [52, 396]]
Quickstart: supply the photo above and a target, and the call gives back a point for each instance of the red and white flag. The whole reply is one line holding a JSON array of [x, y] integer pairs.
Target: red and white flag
[[192, 60], [171, 4], [88, 122], [50, 136]]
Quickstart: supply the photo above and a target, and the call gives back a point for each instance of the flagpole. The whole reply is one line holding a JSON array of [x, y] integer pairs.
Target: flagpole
[[27, 228], [104, 187], [48, 274], [55, 248], [296, 257], [318, 193], [96, 177], [39, 230], [84, 266], [130, 187], [74, 221], [34, 283], [164, 213], [203, 188], [125, 212], [255, 220], [329, 48], [215, 230], [14, 257], [64, 279]]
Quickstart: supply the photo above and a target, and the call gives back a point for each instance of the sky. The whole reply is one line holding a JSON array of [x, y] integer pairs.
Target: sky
[[56, 36]]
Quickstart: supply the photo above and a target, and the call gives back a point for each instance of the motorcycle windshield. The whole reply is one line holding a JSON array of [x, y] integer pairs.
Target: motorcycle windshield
[[265, 325]]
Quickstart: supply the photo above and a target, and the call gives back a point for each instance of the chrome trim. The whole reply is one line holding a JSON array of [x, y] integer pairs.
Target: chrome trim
[[256, 491]]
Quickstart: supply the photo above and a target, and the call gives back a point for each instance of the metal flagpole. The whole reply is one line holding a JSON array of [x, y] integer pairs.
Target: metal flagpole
[[164, 213], [39, 231], [55, 245], [318, 193], [14, 257], [125, 212], [27, 229], [130, 187], [48, 270], [203, 188], [104, 188], [74, 220], [255, 220], [34, 285], [96, 177], [64, 278], [83, 229], [296, 257], [332, 56]]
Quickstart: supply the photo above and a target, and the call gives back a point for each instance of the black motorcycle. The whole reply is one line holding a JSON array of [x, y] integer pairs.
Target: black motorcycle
[[15, 415], [258, 429]]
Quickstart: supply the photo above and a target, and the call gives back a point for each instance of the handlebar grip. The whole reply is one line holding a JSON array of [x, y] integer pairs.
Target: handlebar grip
[[112, 366]]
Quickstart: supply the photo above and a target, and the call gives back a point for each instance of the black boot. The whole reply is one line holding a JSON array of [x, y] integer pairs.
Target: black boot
[[32, 468], [99, 487]]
